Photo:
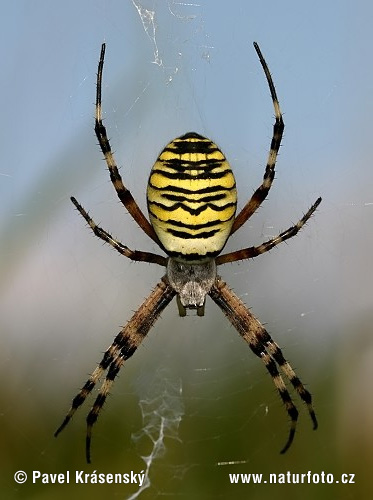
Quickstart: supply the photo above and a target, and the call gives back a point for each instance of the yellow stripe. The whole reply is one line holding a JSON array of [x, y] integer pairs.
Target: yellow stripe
[[181, 215], [160, 181]]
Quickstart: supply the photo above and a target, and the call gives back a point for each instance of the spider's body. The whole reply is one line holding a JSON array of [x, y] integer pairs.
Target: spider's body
[[192, 198], [192, 203]]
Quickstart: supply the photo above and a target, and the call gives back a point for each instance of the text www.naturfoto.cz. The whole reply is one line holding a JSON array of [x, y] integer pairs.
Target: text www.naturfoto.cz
[[292, 478]]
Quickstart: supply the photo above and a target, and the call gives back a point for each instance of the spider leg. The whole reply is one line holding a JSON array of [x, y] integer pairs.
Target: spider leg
[[123, 347], [103, 393], [260, 342], [278, 129], [290, 374], [124, 194], [249, 253], [122, 249]]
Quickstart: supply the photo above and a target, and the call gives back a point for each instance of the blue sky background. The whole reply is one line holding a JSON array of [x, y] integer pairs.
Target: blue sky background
[[171, 68]]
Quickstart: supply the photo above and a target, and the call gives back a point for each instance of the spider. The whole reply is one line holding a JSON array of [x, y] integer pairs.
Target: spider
[[191, 198]]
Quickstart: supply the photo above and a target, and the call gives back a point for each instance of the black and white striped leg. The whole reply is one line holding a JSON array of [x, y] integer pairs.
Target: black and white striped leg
[[278, 129], [123, 193], [251, 252], [289, 373], [123, 347], [260, 342], [119, 247]]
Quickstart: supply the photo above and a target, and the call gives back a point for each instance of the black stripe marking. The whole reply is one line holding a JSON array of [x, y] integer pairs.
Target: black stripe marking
[[187, 147], [192, 211], [203, 199], [182, 176], [194, 256], [187, 236], [179, 164], [192, 135], [181, 146], [194, 226]]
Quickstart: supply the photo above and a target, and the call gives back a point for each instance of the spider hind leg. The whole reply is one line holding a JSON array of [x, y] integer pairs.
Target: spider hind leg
[[262, 345], [123, 347], [290, 374]]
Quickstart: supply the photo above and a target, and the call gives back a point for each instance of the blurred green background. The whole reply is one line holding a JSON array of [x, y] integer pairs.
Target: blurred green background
[[193, 404]]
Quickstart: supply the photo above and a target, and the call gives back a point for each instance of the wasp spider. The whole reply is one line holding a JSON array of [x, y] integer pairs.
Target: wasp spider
[[192, 200]]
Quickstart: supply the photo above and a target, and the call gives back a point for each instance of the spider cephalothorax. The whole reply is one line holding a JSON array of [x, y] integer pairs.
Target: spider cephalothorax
[[191, 282], [192, 203]]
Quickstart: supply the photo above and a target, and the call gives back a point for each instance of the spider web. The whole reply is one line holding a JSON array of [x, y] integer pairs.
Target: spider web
[[148, 20], [162, 408], [179, 15]]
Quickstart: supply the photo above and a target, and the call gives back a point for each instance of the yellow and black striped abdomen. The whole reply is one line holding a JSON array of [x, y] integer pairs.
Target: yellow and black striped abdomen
[[192, 198]]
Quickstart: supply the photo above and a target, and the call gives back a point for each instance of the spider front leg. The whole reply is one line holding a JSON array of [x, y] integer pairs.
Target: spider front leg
[[119, 247], [249, 253], [278, 129], [123, 193], [123, 347], [260, 342]]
